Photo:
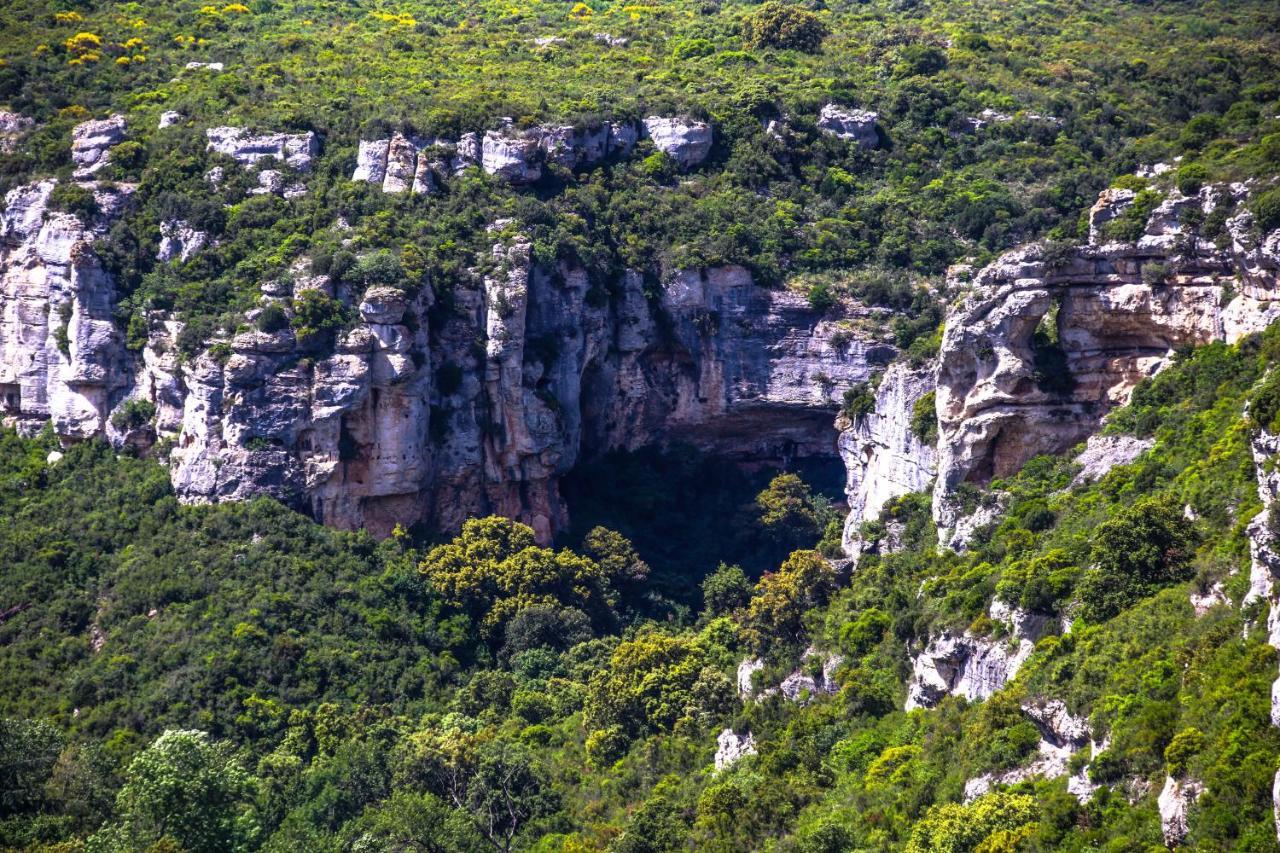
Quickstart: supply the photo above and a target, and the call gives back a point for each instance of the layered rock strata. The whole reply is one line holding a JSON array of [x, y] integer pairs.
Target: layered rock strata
[[403, 417]]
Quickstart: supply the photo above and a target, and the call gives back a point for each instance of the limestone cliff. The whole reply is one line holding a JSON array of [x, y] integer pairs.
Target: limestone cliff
[[1049, 341], [411, 416]]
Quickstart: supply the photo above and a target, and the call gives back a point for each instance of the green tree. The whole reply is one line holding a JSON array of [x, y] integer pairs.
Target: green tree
[[494, 569], [1140, 549], [725, 590], [787, 512], [786, 27], [781, 598], [187, 789]]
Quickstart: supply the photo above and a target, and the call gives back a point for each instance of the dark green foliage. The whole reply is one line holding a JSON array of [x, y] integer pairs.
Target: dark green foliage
[[1141, 549], [272, 319], [132, 414], [924, 418], [1266, 210], [725, 590], [74, 199], [784, 26], [316, 315], [859, 401]]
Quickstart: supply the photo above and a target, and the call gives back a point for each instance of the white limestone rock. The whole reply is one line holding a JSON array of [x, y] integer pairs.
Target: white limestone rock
[[371, 161], [731, 747], [968, 666], [1111, 203], [746, 674], [295, 150], [883, 458], [1113, 330], [1104, 452], [686, 141], [13, 126], [853, 124], [511, 158], [91, 142], [402, 160], [169, 118], [179, 241], [1175, 802]]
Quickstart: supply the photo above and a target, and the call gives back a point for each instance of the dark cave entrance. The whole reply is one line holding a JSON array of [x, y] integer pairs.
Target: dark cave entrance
[[688, 510]]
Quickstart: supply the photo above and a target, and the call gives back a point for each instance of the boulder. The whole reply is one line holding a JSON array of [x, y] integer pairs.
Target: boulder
[[91, 142], [686, 141], [856, 125], [169, 118]]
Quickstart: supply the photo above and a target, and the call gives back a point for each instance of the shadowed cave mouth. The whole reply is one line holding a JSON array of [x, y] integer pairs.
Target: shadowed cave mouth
[[687, 511]]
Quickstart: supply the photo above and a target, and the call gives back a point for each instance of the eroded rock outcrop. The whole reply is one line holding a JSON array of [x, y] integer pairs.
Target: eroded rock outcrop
[[1062, 734], [855, 125], [732, 747], [392, 423], [686, 141], [91, 143], [1175, 802], [295, 150], [13, 126], [62, 358], [971, 666], [179, 241], [1047, 344], [883, 457], [517, 156]]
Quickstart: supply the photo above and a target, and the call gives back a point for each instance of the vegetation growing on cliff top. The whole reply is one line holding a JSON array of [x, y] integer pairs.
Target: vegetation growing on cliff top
[[1077, 97]]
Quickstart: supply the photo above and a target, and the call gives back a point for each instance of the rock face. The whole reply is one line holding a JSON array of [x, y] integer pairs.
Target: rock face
[[511, 158], [800, 685], [1104, 452], [1175, 802], [402, 163], [685, 141], [402, 419], [1061, 735], [974, 667], [1045, 346], [13, 126], [91, 142], [62, 360], [856, 125], [731, 747], [179, 241], [884, 459], [1264, 551], [296, 150]]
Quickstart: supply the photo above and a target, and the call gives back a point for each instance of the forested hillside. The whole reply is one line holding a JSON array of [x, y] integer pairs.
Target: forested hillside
[[697, 425]]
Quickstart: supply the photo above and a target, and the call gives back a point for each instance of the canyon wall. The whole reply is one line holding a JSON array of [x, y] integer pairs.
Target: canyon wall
[[412, 415]]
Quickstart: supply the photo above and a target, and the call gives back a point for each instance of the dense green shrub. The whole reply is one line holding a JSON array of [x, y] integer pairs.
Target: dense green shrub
[[1140, 549], [784, 26], [133, 413]]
